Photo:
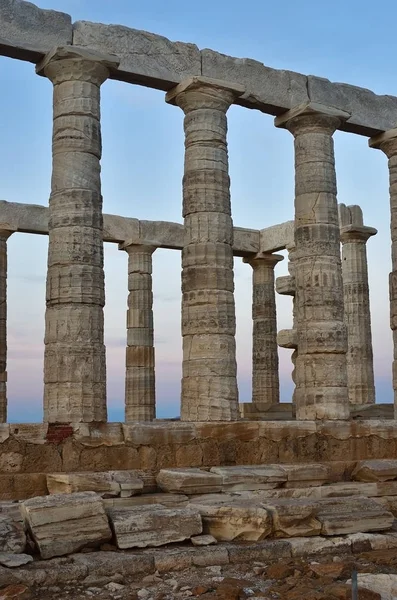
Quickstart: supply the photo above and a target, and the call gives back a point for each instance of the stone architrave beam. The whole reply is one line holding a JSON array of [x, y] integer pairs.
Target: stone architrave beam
[[33, 218], [28, 33]]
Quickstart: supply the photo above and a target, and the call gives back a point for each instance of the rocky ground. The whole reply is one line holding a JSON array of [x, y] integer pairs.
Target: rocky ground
[[286, 579]]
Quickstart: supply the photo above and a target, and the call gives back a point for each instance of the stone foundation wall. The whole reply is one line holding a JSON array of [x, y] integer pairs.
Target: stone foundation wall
[[27, 452]]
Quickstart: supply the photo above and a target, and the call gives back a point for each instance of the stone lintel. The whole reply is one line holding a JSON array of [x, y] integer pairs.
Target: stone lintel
[[277, 237], [287, 338], [377, 140], [263, 258], [196, 82], [310, 108], [286, 285], [111, 61], [356, 232]]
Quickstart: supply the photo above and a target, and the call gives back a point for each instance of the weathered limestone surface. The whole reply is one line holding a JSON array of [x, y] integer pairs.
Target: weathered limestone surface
[[154, 525], [265, 375], [12, 535], [209, 382], [375, 470], [27, 32], [359, 357], [293, 517], [251, 477], [387, 142], [277, 237], [167, 500], [5, 231], [321, 375], [352, 515], [65, 523], [234, 521], [140, 387], [13, 561], [124, 483], [33, 218], [145, 58], [74, 360], [189, 481]]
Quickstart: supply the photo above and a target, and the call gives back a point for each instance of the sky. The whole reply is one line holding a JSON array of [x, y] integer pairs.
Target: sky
[[142, 166]]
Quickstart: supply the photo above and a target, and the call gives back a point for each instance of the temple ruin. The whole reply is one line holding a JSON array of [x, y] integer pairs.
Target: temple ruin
[[331, 432]]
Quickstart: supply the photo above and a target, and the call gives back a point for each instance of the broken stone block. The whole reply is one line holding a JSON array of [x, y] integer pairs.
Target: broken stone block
[[65, 523], [341, 516], [203, 540], [148, 526], [128, 482], [250, 477], [293, 517], [189, 481], [70, 483], [235, 521], [14, 560], [12, 535], [375, 470]]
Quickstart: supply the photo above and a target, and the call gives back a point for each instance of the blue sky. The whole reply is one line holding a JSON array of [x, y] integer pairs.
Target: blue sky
[[142, 169]]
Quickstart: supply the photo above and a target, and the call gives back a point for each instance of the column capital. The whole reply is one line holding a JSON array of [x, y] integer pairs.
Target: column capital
[[136, 248], [356, 233], [204, 92], [6, 230], [287, 338], [263, 259], [66, 63], [311, 117], [386, 141]]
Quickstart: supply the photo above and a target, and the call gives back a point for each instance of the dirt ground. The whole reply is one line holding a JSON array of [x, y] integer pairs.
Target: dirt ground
[[287, 579]]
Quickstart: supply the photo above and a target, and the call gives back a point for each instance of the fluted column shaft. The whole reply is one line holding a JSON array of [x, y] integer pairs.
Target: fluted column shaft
[[321, 374], [5, 232], [140, 390], [209, 383], [74, 360], [360, 367], [387, 142], [265, 375]]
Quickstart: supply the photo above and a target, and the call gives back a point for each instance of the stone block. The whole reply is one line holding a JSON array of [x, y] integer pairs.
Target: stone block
[[99, 434], [13, 561], [203, 540], [145, 57], [20, 486], [105, 564], [189, 481], [236, 520], [352, 515], [268, 550], [155, 525], [12, 535], [4, 432], [250, 477], [159, 434], [28, 32], [167, 500], [64, 523], [293, 517], [129, 484], [34, 433], [375, 470], [269, 90], [316, 546], [370, 113], [301, 475], [69, 483]]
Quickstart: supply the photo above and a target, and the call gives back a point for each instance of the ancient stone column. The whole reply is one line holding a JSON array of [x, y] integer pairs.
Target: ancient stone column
[[265, 376], [5, 231], [387, 142], [140, 394], [209, 384], [74, 360], [286, 338], [360, 367], [321, 374]]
